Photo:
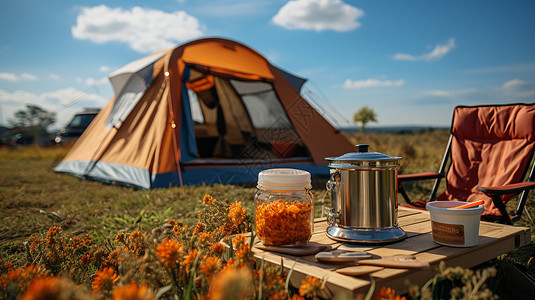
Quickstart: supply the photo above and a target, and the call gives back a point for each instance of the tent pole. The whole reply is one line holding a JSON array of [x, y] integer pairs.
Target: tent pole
[[173, 127], [175, 146]]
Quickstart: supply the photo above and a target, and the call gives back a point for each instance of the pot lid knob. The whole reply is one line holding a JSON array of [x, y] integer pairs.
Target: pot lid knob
[[362, 147]]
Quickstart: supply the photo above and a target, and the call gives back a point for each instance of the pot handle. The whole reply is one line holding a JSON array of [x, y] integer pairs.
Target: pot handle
[[332, 186], [332, 183], [333, 217]]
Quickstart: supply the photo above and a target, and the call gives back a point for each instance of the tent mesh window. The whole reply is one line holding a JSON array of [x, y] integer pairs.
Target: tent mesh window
[[240, 119]]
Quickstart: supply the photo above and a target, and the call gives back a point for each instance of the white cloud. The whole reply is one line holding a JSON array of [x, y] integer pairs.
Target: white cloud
[[59, 97], [318, 15], [21, 97], [63, 101], [54, 77], [437, 53], [370, 82], [15, 78], [517, 88], [28, 76], [516, 85], [104, 69], [8, 76], [448, 94], [90, 81], [143, 29]]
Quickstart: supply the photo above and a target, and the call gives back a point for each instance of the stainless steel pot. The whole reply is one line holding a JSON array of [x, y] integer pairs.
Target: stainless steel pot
[[364, 196]]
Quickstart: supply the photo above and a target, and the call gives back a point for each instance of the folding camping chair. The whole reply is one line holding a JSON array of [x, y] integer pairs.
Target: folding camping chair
[[489, 153]]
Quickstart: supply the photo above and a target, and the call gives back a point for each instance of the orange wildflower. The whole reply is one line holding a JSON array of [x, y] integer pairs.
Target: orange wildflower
[[281, 295], [207, 199], [239, 240], [132, 292], [85, 260], [227, 229], [237, 213], [22, 276], [198, 229], [179, 228], [310, 287], [5, 267], [218, 248], [138, 241], [121, 237], [114, 257], [105, 280], [206, 239], [210, 266], [169, 252], [243, 252], [34, 271], [33, 242], [52, 236], [232, 284], [14, 275], [387, 294], [231, 264], [44, 288], [190, 259], [282, 222], [80, 243]]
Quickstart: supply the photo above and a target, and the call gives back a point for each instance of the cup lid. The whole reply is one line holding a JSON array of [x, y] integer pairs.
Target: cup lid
[[285, 179], [444, 207]]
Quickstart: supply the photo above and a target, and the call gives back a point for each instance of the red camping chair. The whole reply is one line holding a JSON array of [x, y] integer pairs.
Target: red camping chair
[[489, 153]]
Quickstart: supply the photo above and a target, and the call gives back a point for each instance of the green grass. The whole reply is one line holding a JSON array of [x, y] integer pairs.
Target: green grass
[[33, 198]]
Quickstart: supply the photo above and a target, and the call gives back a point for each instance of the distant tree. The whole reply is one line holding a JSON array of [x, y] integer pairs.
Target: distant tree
[[33, 116], [32, 122], [364, 116]]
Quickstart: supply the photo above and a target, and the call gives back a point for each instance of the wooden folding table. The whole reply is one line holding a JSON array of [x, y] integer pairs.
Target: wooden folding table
[[494, 240]]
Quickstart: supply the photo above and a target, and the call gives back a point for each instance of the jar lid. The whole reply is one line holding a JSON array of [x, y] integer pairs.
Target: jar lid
[[363, 158], [284, 179]]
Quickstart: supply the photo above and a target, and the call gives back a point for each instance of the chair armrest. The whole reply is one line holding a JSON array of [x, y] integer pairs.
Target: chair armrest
[[513, 188], [419, 176]]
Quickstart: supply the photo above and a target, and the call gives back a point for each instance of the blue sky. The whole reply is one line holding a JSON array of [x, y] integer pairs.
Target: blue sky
[[412, 62]]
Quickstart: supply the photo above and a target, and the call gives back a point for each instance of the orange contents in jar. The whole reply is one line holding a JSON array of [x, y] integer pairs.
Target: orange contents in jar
[[283, 223]]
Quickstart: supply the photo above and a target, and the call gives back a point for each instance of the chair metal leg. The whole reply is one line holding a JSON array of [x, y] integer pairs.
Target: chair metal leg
[[403, 193], [441, 170], [497, 200]]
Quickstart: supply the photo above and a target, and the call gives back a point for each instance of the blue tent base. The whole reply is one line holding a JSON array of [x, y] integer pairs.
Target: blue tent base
[[198, 172], [229, 175]]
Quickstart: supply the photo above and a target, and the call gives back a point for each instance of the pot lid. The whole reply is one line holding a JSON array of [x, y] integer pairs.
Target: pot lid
[[363, 158]]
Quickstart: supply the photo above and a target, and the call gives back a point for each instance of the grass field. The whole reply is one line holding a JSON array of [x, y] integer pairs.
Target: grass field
[[33, 198]]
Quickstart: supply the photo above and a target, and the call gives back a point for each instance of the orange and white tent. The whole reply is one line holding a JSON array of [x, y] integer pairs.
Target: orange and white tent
[[213, 111]]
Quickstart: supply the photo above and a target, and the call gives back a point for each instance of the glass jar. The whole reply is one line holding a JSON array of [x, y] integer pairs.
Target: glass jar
[[284, 207]]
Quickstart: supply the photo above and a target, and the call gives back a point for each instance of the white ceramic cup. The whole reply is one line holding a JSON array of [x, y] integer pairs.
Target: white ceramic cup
[[454, 227]]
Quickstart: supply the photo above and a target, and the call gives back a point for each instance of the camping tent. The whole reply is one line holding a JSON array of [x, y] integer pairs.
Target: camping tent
[[212, 110]]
